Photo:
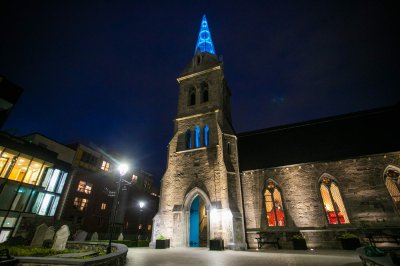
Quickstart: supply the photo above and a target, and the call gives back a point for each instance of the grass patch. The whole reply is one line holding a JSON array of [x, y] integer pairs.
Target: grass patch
[[25, 251]]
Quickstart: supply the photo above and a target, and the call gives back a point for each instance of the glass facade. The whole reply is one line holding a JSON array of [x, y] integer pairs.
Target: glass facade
[[27, 185]]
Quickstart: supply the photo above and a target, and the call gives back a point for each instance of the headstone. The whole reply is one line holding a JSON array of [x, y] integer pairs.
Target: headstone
[[48, 237], [61, 238], [38, 238], [94, 237], [121, 237], [49, 234], [80, 235]]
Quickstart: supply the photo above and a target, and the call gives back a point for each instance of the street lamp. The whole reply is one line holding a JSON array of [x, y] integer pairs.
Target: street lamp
[[141, 205], [122, 169]]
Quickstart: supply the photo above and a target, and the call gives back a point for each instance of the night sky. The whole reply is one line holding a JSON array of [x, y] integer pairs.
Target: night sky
[[104, 73]]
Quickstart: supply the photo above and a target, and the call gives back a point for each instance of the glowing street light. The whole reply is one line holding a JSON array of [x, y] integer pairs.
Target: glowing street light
[[122, 169], [141, 205]]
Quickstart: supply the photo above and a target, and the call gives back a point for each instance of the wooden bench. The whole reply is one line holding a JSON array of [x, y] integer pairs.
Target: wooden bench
[[267, 238]]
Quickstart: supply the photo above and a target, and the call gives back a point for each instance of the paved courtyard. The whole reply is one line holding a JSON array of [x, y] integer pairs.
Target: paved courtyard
[[202, 256]]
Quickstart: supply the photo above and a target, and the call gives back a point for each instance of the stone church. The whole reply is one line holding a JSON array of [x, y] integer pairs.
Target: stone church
[[319, 178]]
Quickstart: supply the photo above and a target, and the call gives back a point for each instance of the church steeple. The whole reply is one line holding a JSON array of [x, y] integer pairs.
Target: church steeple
[[204, 41]]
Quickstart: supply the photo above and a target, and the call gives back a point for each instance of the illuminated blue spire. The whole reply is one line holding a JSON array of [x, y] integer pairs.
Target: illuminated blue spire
[[204, 41]]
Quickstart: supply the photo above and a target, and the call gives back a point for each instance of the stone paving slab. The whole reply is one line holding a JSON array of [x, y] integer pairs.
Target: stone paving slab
[[204, 257]]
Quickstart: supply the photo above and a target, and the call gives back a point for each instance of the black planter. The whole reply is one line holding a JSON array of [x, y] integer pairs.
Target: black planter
[[161, 244], [350, 243], [299, 244], [217, 244]]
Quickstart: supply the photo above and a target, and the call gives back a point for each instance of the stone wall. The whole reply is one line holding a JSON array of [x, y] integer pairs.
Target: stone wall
[[362, 186]]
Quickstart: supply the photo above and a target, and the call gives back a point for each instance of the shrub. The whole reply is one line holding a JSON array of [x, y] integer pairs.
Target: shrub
[[298, 236], [347, 235]]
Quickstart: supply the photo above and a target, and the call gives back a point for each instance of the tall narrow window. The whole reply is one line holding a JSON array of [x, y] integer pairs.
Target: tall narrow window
[[274, 205], [204, 92], [197, 136], [206, 135], [333, 203], [192, 96], [188, 139], [392, 182], [229, 147]]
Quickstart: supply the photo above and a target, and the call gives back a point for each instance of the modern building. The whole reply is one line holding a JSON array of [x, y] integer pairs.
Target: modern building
[[32, 180], [9, 95], [90, 192], [318, 178]]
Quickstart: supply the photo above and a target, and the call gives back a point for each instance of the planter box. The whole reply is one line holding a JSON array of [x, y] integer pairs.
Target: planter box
[[299, 244], [161, 244], [350, 243], [217, 244]]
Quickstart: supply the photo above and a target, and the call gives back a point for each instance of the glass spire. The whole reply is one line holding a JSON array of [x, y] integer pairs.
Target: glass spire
[[204, 41]]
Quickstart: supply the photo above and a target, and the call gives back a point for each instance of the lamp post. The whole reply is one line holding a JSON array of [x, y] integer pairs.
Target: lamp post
[[141, 205], [122, 169]]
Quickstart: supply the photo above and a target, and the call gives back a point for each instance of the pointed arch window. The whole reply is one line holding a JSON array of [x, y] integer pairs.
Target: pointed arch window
[[204, 92], [274, 205], [192, 96], [188, 139], [333, 202], [392, 182], [206, 135], [197, 136]]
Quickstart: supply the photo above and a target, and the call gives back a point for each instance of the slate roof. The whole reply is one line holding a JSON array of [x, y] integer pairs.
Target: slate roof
[[334, 138]]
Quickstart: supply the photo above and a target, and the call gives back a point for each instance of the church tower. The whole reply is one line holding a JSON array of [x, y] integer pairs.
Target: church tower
[[200, 191]]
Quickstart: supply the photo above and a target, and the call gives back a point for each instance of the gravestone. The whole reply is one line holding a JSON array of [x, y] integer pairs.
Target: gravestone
[[48, 237], [49, 234], [38, 238], [94, 237], [121, 237], [61, 238], [80, 235]]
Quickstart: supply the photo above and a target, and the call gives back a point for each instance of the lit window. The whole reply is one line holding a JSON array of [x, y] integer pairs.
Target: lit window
[[33, 171], [206, 135], [392, 182], [333, 203], [273, 205], [197, 136], [103, 206], [80, 203], [19, 166], [85, 187], [105, 166], [46, 203], [149, 227], [7, 161]]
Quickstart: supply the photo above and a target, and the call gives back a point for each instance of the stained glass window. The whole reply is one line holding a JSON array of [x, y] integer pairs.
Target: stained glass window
[[333, 203], [206, 135], [197, 136], [274, 205], [392, 182]]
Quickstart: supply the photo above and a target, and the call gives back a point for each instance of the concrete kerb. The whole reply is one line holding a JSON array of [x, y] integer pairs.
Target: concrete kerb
[[118, 257]]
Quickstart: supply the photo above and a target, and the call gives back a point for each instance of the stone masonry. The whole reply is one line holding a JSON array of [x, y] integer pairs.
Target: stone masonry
[[210, 172], [362, 186]]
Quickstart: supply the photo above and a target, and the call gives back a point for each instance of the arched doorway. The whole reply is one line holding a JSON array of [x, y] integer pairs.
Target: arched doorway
[[197, 206], [198, 223]]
